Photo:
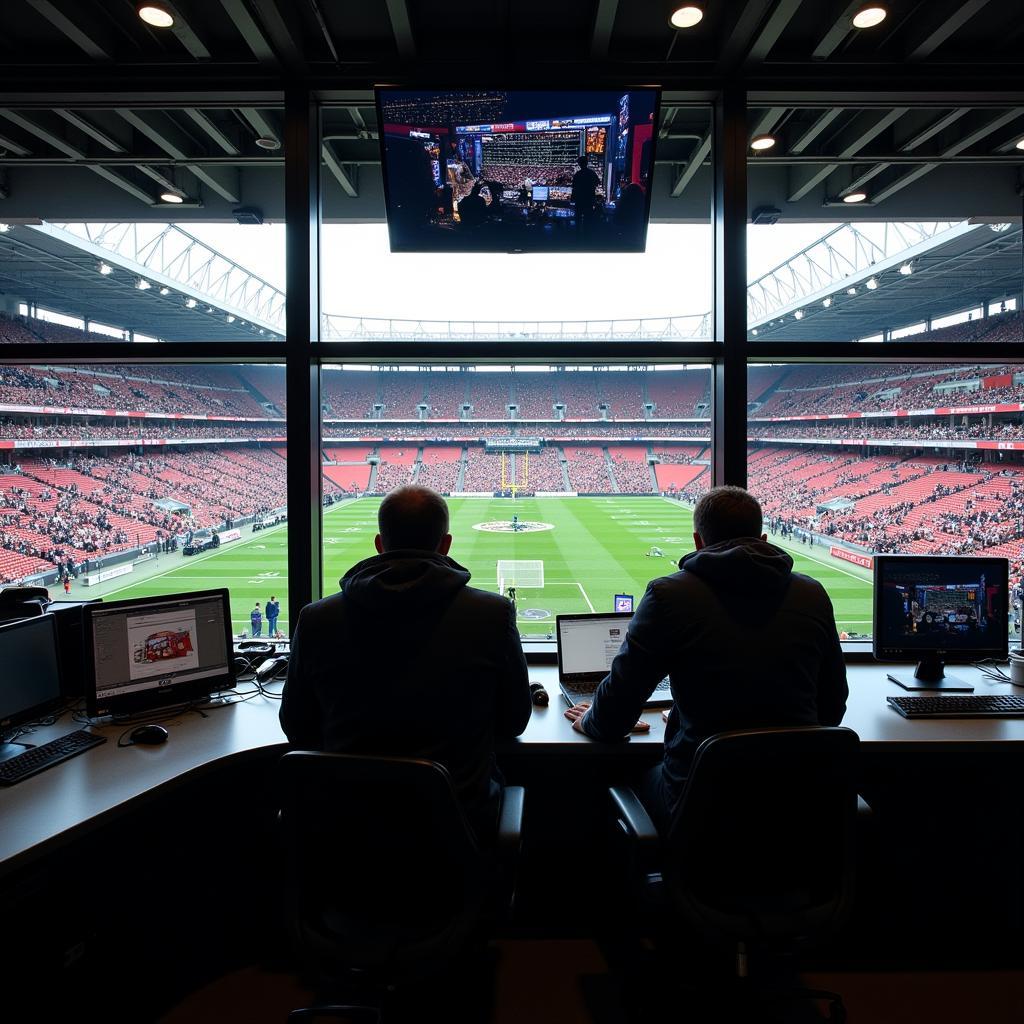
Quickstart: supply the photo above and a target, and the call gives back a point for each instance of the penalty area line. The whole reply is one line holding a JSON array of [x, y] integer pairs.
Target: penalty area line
[[584, 593]]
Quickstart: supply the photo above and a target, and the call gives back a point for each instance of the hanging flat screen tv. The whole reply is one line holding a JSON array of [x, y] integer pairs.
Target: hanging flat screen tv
[[517, 171]]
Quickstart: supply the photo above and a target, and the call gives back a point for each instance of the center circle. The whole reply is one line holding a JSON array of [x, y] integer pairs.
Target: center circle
[[507, 526]]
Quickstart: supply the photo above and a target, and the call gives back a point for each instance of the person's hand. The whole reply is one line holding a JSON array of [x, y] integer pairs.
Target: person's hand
[[577, 711]]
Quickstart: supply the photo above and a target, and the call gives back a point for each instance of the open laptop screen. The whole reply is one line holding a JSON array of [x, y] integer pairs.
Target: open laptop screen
[[587, 644]]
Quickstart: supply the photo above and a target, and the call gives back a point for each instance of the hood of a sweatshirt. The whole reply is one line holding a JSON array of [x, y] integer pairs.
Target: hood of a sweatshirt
[[403, 580], [744, 573]]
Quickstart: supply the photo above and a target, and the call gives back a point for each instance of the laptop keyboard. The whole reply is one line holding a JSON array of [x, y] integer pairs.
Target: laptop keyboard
[[577, 692]]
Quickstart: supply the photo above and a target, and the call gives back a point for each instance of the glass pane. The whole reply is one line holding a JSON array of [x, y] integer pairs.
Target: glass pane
[[370, 293], [179, 237], [884, 224], [126, 481], [580, 468], [854, 460]]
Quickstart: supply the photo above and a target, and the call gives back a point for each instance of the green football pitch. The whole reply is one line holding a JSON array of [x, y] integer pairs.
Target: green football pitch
[[591, 549]]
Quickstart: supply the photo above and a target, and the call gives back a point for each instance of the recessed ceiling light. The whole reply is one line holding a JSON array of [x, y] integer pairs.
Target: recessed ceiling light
[[907, 269], [268, 142], [686, 16], [869, 16], [1020, 144], [156, 15], [171, 197], [760, 142], [855, 197]]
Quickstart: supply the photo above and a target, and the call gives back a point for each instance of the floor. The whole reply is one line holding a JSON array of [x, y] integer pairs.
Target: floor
[[568, 982]]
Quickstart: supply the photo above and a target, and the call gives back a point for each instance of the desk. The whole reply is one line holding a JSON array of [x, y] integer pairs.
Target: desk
[[54, 806]]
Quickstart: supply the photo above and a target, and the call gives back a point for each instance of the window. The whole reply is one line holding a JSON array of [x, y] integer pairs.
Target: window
[[854, 460], [586, 474]]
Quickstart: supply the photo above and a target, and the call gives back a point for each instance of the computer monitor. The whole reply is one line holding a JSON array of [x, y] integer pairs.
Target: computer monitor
[[934, 609], [30, 675], [624, 603], [157, 651]]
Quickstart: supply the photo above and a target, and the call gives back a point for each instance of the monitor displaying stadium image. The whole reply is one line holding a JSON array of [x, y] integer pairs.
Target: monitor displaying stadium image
[[517, 171]]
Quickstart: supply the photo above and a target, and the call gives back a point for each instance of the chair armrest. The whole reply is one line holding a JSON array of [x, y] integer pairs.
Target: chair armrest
[[510, 818], [632, 818]]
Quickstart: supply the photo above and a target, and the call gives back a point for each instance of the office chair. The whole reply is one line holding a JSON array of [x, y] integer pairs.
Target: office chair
[[386, 882], [760, 851]]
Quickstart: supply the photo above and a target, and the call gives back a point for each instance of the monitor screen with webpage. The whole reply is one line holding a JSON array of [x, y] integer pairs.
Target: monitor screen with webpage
[[934, 609], [157, 651], [587, 645], [492, 170]]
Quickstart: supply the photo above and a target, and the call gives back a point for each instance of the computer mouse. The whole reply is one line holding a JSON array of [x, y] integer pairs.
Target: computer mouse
[[149, 735]]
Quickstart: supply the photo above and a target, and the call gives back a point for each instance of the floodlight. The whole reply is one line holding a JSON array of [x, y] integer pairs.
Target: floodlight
[[907, 269], [855, 197], [798, 315], [686, 16], [869, 16], [754, 332], [872, 283], [4, 228], [230, 319], [155, 14], [143, 285], [104, 268], [760, 142], [826, 302], [165, 290], [191, 303], [851, 290]]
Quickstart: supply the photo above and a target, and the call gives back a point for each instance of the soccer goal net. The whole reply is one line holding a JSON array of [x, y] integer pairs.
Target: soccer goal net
[[521, 574]]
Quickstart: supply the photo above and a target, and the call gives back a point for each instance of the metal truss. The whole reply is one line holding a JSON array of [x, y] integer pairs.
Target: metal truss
[[844, 254], [696, 327], [165, 254]]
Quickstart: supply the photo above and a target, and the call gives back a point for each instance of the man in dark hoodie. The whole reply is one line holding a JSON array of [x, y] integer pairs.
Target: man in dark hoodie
[[408, 660], [746, 642]]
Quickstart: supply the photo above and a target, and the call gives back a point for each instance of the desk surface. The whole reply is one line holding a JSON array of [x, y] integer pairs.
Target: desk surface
[[82, 793]]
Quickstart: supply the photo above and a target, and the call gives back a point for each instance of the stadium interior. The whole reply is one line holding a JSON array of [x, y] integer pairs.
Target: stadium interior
[[213, 369]]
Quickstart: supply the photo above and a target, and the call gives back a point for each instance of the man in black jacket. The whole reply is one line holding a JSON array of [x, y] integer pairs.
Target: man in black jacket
[[746, 642], [407, 660]]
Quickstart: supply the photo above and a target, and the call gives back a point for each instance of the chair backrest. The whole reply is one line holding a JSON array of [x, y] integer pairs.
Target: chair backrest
[[762, 844], [384, 876]]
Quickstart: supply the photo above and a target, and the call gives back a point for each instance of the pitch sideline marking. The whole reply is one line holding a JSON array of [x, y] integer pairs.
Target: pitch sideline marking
[[584, 593]]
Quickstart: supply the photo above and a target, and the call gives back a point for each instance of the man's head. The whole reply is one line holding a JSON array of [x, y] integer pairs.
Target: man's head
[[583, 160], [272, 598], [257, 604], [413, 517], [726, 513]]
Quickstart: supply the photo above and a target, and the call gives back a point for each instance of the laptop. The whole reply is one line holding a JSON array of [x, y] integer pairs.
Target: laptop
[[587, 645]]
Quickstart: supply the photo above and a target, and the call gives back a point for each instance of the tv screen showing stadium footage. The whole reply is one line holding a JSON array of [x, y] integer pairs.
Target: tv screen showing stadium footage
[[496, 171], [941, 603]]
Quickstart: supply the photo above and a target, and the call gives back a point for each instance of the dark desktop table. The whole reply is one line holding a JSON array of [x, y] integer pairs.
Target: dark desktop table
[[168, 854]]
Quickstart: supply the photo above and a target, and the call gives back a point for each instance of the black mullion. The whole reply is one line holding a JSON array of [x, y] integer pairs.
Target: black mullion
[[302, 215], [729, 415]]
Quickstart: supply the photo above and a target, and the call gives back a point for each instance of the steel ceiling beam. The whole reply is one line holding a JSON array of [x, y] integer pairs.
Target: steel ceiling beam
[[90, 129], [776, 24], [841, 28], [700, 153], [247, 28], [86, 41], [213, 131], [735, 47], [811, 133], [604, 22], [286, 43], [962, 12], [871, 128], [401, 26], [347, 176]]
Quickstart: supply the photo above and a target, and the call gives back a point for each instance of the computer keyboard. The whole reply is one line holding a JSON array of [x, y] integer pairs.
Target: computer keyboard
[[46, 755], [975, 705], [584, 691]]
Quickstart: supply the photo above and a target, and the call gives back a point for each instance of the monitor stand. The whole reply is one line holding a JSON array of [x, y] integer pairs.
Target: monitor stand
[[930, 675]]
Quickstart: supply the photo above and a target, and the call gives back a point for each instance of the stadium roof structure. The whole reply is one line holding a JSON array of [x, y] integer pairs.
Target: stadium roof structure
[[918, 272], [155, 280]]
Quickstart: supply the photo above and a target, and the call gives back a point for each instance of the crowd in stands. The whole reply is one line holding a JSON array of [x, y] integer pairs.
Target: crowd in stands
[[588, 472], [632, 472], [163, 430], [932, 431]]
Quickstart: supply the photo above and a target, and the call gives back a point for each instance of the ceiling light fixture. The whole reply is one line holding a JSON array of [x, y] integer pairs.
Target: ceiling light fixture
[[872, 284], [165, 290], [1019, 144], [155, 14], [168, 196], [268, 142], [851, 290], [907, 269], [798, 315], [754, 332], [855, 197], [762, 142], [105, 268], [230, 319], [191, 303], [870, 16], [143, 285], [826, 302], [4, 228], [686, 16]]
